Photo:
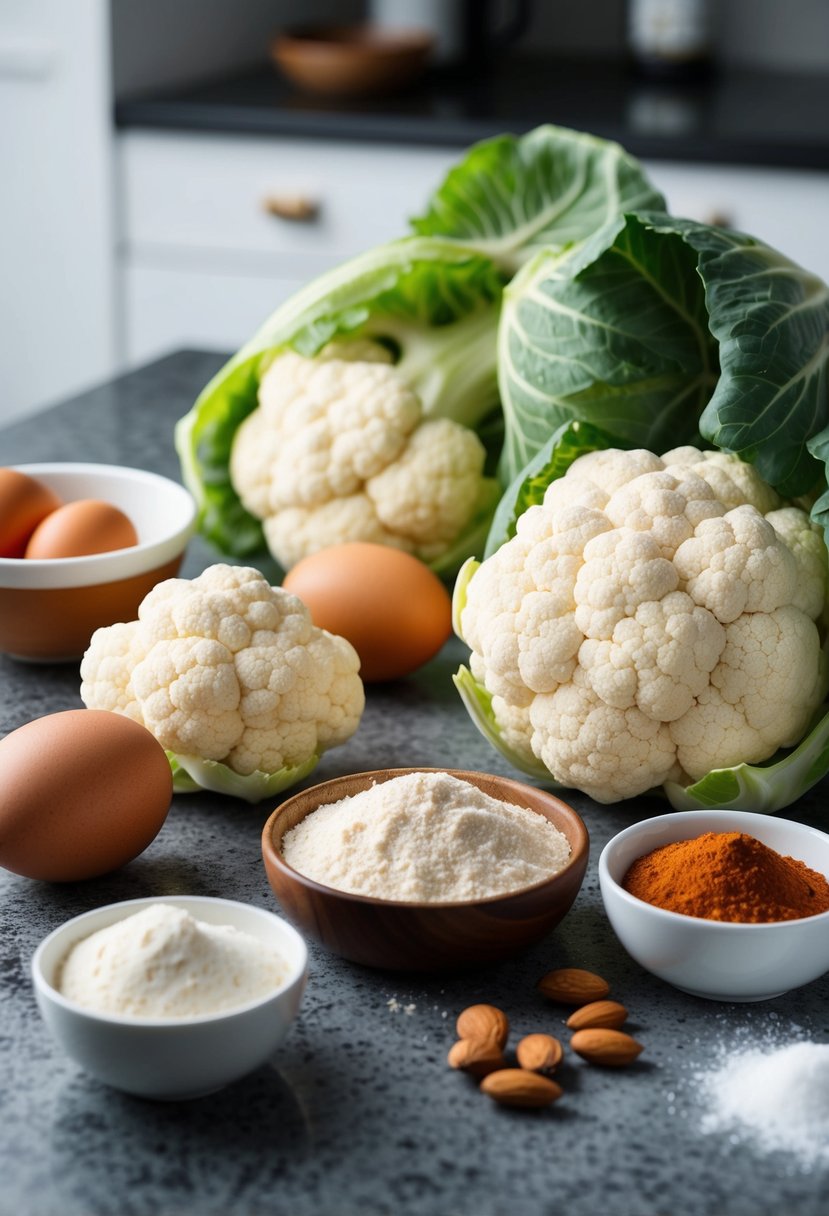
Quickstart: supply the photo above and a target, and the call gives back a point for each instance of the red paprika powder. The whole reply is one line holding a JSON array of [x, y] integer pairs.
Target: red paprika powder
[[728, 876]]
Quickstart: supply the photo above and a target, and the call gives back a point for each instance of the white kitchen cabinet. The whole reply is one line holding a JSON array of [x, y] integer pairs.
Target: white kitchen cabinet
[[216, 231], [203, 260], [212, 192], [167, 307]]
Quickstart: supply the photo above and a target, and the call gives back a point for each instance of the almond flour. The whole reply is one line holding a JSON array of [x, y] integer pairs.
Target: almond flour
[[427, 838]]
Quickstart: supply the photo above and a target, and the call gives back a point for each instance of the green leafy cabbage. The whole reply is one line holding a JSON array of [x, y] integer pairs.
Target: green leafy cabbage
[[434, 303], [433, 299], [658, 330], [512, 196]]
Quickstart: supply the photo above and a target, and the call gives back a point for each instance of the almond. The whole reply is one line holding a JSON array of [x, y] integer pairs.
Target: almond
[[539, 1052], [476, 1056], [611, 1048], [483, 1022], [572, 986], [517, 1087], [608, 1014]]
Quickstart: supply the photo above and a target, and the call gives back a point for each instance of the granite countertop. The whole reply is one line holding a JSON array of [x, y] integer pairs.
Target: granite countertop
[[734, 117], [358, 1114]]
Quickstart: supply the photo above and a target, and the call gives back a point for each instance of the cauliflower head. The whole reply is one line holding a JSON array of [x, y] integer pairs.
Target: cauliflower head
[[228, 672], [653, 619], [339, 450]]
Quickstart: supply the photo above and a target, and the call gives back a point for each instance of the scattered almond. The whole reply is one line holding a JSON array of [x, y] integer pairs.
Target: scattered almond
[[518, 1087], [539, 1052], [573, 986], [476, 1056], [483, 1022], [611, 1048], [607, 1014]]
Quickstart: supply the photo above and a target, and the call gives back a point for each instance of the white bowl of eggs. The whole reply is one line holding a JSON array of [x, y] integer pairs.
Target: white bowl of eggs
[[80, 547]]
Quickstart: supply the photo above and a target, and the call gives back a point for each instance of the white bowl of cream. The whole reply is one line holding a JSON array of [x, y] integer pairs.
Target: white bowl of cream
[[171, 997]]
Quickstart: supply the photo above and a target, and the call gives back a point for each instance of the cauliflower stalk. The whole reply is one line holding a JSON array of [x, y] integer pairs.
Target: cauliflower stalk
[[650, 621], [232, 677]]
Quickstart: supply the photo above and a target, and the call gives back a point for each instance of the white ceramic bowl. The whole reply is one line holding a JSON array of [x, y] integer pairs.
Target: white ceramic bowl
[[172, 1058], [49, 608], [716, 959]]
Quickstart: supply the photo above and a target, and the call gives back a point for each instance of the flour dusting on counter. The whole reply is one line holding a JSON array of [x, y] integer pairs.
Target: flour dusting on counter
[[772, 1098]]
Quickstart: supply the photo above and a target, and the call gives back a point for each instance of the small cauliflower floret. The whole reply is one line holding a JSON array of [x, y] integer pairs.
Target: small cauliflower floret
[[769, 660], [431, 491], [606, 470], [622, 569], [514, 724], [609, 753], [646, 629], [323, 427], [659, 659], [109, 666], [189, 696], [737, 564], [734, 481], [225, 667], [805, 540], [339, 450], [297, 531], [665, 506], [520, 605], [765, 664], [494, 596]]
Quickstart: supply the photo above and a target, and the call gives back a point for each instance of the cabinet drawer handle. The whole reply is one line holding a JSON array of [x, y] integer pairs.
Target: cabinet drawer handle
[[291, 207], [720, 218]]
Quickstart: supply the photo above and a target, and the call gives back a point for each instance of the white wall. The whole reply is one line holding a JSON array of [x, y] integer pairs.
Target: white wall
[[57, 324]]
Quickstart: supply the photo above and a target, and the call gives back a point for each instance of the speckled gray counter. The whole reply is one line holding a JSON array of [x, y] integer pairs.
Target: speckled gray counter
[[358, 1113]]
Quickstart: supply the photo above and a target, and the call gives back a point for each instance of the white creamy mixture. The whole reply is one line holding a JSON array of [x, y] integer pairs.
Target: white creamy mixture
[[426, 837], [163, 963]]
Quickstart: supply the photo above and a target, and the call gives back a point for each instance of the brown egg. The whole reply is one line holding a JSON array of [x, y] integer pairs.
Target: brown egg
[[82, 793], [84, 526], [24, 502], [391, 607]]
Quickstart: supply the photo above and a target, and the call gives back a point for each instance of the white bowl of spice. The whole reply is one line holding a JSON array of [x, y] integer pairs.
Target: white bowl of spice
[[425, 869], [170, 998], [727, 905]]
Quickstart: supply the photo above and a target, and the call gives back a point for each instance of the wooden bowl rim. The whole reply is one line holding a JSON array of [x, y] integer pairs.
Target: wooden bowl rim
[[578, 855], [349, 43]]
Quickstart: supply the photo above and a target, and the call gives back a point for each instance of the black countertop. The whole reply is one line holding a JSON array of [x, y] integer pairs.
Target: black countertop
[[358, 1114], [731, 117]]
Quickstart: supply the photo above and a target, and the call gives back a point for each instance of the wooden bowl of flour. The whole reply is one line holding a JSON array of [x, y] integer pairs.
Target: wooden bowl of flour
[[424, 936]]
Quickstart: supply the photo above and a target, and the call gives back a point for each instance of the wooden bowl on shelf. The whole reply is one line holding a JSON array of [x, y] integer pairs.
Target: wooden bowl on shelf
[[424, 936], [352, 61]]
